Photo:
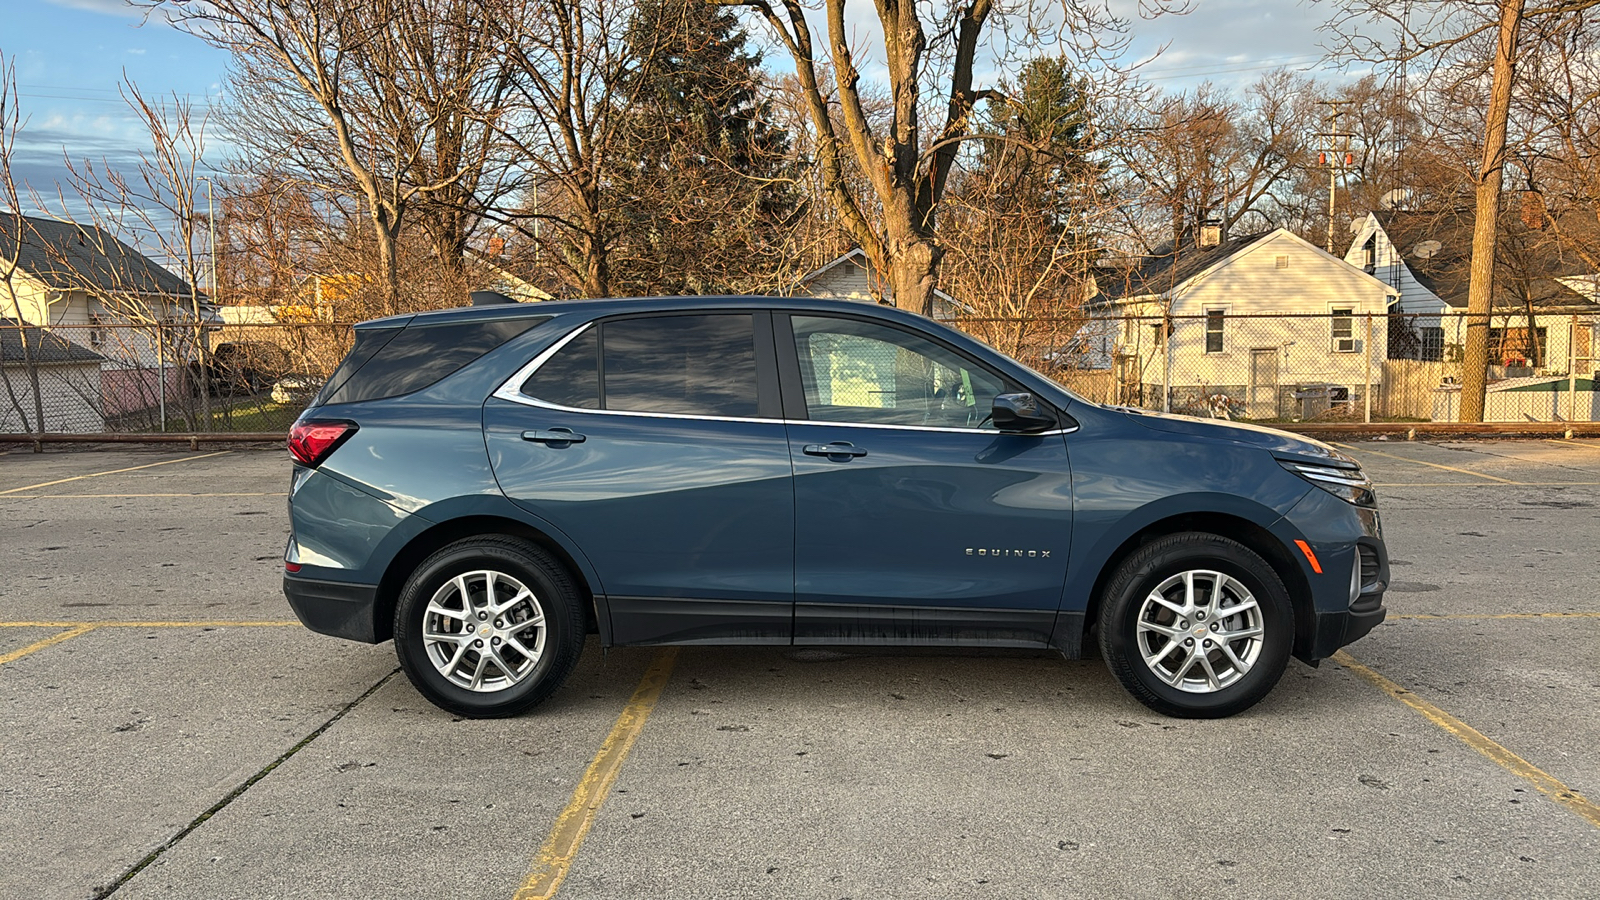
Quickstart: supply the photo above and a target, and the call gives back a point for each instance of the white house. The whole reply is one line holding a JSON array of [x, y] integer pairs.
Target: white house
[[85, 285], [851, 277], [1261, 326], [1425, 257]]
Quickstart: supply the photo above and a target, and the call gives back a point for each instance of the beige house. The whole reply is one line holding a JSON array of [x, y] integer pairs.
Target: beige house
[[84, 285], [1260, 326]]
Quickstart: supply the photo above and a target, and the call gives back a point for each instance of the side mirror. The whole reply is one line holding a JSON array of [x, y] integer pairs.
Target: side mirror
[[1020, 413]]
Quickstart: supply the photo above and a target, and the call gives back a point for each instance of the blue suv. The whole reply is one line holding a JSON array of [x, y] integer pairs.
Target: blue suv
[[488, 485]]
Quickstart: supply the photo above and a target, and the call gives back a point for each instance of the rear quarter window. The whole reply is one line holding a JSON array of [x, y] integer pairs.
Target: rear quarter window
[[419, 356]]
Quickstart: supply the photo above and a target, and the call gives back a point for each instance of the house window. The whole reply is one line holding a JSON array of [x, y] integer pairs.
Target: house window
[[1344, 330], [1214, 319], [1433, 344], [97, 335], [1369, 254], [1516, 347]]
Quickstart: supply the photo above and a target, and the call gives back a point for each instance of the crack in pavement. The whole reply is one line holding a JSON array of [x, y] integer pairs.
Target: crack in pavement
[[107, 890]]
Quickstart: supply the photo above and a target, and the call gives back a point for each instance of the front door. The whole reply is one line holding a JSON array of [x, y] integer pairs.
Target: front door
[[915, 520], [1263, 400], [655, 443]]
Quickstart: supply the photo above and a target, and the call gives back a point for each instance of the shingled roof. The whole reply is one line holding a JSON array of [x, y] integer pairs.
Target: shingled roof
[[69, 256], [1170, 266], [1531, 260], [42, 347]]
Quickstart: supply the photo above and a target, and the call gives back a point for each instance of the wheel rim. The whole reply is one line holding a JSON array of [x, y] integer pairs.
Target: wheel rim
[[484, 631], [1200, 631]]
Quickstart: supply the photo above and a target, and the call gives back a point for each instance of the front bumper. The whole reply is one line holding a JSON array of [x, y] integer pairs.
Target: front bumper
[[334, 608]]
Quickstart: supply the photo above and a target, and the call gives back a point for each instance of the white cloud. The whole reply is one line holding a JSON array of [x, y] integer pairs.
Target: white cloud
[[106, 7]]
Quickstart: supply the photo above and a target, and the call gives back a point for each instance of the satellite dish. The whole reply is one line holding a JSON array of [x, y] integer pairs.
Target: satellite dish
[[1426, 249], [1395, 199], [1356, 225]]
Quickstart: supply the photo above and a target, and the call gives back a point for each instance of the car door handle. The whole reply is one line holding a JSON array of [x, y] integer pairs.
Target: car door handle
[[554, 436], [837, 448]]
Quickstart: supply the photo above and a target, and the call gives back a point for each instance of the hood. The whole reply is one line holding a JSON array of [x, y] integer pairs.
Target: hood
[[1278, 443]]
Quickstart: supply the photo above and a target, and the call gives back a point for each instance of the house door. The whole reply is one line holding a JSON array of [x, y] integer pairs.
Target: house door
[[1263, 400]]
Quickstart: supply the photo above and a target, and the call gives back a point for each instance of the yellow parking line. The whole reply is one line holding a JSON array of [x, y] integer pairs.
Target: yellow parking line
[[1542, 781], [555, 858], [1592, 445], [136, 496], [221, 623], [51, 641], [34, 487], [1421, 463], [1544, 615]]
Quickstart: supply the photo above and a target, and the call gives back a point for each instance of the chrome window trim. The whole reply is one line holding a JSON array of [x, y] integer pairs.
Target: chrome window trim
[[511, 390]]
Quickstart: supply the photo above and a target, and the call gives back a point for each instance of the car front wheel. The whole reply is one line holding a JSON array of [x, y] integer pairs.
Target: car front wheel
[[1196, 626], [488, 627]]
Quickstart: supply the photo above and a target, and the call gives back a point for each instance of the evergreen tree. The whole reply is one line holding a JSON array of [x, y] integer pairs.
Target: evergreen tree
[[703, 192]]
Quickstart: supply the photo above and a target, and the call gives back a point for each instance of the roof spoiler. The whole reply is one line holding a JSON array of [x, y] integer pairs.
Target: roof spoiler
[[488, 298]]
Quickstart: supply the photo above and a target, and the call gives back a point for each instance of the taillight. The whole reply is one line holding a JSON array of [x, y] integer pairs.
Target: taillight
[[311, 442]]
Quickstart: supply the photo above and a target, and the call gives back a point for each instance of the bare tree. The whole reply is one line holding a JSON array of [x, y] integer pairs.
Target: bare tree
[[376, 81], [1206, 154], [569, 62], [931, 54], [157, 205], [11, 248]]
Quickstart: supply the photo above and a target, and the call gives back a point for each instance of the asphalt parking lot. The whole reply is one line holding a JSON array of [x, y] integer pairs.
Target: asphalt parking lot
[[170, 731]]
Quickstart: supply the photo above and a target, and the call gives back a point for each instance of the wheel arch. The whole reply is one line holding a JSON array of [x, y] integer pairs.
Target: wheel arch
[[1249, 533], [420, 546]]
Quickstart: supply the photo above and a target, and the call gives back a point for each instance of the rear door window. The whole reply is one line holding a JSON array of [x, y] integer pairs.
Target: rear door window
[[698, 365]]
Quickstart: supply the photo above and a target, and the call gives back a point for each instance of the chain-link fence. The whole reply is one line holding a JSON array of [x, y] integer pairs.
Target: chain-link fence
[[145, 378], [1344, 366], [1339, 367]]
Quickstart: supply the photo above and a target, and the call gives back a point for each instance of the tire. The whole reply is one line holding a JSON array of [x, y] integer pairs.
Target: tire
[[1163, 639], [467, 656]]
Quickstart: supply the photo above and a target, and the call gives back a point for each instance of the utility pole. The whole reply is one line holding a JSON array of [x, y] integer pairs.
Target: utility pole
[[1336, 156]]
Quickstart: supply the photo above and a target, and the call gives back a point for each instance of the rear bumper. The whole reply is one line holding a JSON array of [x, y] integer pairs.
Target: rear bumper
[[334, 608]]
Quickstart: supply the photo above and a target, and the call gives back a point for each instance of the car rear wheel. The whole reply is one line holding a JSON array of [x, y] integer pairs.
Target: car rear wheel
[[488, 627], [1196, 626]]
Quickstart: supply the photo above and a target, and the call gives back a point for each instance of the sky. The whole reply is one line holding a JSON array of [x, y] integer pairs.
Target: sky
[[70, 56]]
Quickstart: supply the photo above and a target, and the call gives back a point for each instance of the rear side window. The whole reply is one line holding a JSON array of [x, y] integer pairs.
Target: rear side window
[[419, 356], [572, 376], [702, 365]]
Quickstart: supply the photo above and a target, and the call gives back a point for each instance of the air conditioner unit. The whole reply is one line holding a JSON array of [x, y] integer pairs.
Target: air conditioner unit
[[1346, 345]]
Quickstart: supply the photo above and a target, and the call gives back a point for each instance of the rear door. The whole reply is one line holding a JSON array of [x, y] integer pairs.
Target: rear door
[[915, 520], [655, 443]]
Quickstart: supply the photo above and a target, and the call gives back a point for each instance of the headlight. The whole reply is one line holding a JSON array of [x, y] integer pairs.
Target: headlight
[[1349, 485]]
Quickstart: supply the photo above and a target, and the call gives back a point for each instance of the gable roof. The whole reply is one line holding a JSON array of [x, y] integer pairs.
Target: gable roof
[[42, 346], [859, 258], [69, 256], [1164, 270], [1531, 262]]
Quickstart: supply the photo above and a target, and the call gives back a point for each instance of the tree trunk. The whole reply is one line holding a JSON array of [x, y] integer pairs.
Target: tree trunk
[[914, 272], [386, 228], [1485, 229]]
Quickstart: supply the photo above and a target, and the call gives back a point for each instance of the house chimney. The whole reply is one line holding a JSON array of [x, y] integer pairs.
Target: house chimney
[[1210, 234], [1533, 214]]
